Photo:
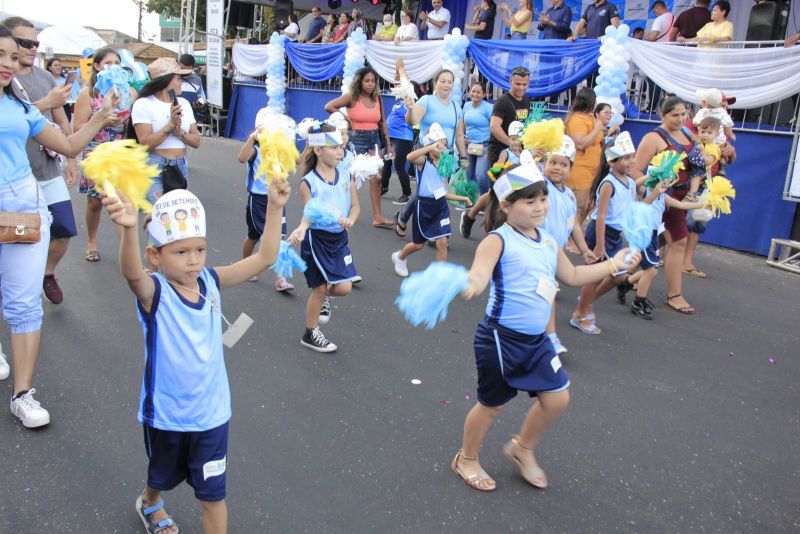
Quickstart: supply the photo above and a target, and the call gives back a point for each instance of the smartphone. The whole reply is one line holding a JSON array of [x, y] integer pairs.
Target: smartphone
[[174, 97], [123, 114]]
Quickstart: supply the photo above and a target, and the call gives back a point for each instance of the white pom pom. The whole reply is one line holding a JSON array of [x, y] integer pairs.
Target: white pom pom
[[305, 125], [404, 89], [363, 166]]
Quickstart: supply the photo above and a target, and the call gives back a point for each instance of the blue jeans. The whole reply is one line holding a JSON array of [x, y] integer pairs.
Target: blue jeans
[[22, 264], [365, 140], [518, 36], [157, 189], [478, 165]]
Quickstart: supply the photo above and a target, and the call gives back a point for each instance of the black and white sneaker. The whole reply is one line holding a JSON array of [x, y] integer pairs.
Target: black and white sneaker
[[640, 308], [316, 340], [466, 225], [325, 312], [400, 201], [622, 288]]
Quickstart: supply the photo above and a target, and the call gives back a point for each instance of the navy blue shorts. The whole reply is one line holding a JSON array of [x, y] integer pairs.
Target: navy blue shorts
[[650, 254], [509, 361], [63, 224], [256, 215], [613, 239], [431, 220], [199, 458], [328, 257]]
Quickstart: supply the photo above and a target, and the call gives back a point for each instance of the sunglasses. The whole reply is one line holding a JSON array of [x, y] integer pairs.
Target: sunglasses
[[27, 43]]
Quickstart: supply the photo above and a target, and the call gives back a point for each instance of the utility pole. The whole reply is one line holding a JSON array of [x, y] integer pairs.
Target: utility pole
[[140, 6]]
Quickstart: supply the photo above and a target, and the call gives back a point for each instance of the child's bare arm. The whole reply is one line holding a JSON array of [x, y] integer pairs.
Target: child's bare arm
[[247, 148], [486, 257]]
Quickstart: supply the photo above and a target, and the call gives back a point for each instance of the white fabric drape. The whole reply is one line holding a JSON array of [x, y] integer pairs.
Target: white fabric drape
[[250, 60], [422, 58], [755, 76]]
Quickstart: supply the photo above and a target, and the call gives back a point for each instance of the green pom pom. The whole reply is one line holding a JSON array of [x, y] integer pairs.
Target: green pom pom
[[537, 113], [461, 185], [447, 165]]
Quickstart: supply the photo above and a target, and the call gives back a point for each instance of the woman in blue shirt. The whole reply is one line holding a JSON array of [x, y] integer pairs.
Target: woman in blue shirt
[[22, 265], [401, 136], [477, 115]]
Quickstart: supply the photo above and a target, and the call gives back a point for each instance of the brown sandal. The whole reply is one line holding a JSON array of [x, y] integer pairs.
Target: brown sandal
[[472, 481], [535, 476], [686, 310]]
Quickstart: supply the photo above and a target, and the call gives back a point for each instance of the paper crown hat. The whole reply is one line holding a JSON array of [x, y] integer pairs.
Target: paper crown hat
[[567, 149], [271, 121], [712, 96], [622, 146], [515, 128], [520, 177], [176, 215], [338, 121], [317, 137], [434, 133]]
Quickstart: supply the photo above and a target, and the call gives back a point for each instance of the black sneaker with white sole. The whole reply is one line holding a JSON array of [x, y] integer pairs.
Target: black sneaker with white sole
[[640, 308], [466, 225], [325, 312], [316, 340], [400, 201]]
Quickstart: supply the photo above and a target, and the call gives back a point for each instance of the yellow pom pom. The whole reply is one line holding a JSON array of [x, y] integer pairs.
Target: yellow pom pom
[[546, 135], [718, 191], [279, 155], [121, 166]]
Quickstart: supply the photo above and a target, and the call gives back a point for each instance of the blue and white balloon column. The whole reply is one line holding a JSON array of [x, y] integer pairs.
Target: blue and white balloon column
[[354, 57], [614, 67], [276, 73], [454, 53]]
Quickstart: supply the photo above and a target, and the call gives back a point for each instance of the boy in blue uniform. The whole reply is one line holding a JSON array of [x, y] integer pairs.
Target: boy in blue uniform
[[185, 397]]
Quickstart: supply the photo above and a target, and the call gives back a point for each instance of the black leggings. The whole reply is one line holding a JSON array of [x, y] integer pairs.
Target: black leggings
[[401, 148]]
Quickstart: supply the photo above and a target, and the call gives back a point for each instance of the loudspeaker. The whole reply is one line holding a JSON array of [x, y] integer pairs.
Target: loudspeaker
[[768, 21], [241, 15], [283, 8]]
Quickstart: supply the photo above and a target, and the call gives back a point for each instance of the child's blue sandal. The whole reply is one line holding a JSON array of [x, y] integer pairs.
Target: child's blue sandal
[[152, 526]]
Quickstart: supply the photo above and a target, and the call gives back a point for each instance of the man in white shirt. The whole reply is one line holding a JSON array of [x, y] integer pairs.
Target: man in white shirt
[[662, 26], [437, 22]]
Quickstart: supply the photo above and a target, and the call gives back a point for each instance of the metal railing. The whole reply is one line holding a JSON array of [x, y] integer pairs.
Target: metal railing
[[780, 118]]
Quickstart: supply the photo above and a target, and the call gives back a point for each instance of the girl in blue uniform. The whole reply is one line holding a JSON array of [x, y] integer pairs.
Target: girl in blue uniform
[[256, 209], [325, 248], [431, 219], [185, 398], [512, 352], [614, 193], [561, 217], [512, 153]]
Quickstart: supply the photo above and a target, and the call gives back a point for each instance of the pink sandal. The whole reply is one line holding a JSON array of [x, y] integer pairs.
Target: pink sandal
[[282, 285]]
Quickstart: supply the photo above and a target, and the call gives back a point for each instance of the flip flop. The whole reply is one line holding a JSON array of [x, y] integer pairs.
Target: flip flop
[[282, 285], [686, 310], [694, 271], [591, 329], [384, 226], [92, 256]]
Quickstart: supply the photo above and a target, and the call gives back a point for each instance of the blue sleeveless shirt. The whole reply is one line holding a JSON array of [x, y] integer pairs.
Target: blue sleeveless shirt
[[429, 180], [513, 300], [622, 196], [561, 212], [185, 386], [336, 196]]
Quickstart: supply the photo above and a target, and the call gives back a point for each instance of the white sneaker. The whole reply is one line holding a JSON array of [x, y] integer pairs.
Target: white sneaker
[[357, 279], [5, 369], [29, 411], [400, 266]]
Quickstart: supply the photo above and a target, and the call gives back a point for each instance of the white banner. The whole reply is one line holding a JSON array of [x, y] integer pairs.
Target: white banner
[[215, 51]]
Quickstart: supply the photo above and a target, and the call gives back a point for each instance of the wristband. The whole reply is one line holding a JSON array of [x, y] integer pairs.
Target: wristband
[[610, 268], [613, 264]]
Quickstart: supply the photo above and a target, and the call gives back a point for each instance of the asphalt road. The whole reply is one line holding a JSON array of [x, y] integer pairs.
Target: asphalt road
[[677, 425]]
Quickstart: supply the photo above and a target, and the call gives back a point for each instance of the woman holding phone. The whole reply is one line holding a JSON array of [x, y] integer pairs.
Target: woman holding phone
[[166, 124], [89, 102]]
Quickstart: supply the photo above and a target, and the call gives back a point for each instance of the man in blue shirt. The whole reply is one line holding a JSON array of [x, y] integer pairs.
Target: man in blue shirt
[[314, 34], [555, 22], [595, 20]]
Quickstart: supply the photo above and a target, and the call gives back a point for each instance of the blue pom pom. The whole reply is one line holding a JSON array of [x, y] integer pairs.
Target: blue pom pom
[[317, 212], [638, 226], [425, 296], [288, 260]]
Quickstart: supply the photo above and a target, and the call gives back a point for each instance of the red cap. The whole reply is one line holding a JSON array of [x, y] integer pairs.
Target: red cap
[[729, 99]]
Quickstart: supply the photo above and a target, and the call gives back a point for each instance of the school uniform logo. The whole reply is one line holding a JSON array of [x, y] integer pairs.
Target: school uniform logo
[[214, 468]]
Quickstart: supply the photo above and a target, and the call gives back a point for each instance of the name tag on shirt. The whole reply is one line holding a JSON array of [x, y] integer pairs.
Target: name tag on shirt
[[439, 193], [234, 333], [547, 289]]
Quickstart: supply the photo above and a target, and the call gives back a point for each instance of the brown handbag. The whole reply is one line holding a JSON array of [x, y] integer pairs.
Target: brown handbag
[[19, 227]]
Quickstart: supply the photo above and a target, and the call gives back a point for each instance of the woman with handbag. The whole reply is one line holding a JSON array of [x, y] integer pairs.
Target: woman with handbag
[[368, 128], [166, 124], [25, 226], [477, 116], [89, 102]]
